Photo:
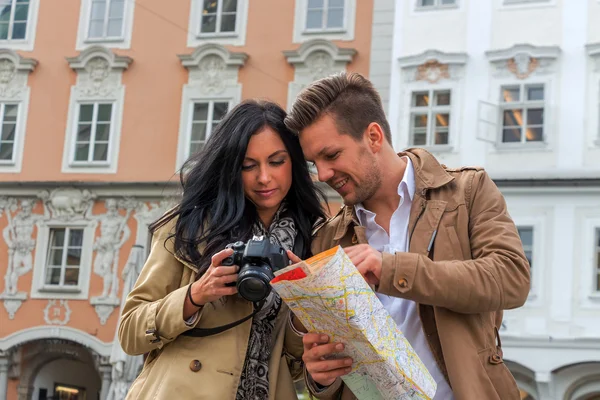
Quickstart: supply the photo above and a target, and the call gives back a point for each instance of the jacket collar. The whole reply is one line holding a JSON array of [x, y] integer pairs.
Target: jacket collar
[[429, 174]]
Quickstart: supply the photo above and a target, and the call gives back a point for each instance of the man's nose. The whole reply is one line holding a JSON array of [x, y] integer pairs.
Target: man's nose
[[324, 173]]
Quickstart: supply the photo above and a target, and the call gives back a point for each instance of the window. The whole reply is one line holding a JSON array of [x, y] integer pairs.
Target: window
[[526, 234], [431, 4], [430, 117], [511, 2], [597, 262], [8, 131], [522, 108], [64, 257], [205, 116], [13, 19], [324, 15], [68, 392], [218, 17], [106, 19], [93, 133]]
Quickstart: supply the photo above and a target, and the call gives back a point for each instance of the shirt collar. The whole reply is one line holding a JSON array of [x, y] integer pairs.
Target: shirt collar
[[407, 186]]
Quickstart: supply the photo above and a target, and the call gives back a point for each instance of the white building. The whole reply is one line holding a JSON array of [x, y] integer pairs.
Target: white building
[[514, 86]]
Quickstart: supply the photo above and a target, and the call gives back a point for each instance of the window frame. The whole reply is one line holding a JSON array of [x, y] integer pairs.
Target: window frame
[[83, 32], [529, 248], [26, 43], [64, 266], [429, 110], [106, 19], [209, 121], [39, 289], [324, 28], [301, 34], [523, 105], [437, 5], [219, 14], [16, 139], [596, 266], [11, 22], [91, 163], [526, 218]]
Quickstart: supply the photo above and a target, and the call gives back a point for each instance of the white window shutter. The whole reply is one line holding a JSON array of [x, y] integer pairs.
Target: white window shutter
[[487, 121]]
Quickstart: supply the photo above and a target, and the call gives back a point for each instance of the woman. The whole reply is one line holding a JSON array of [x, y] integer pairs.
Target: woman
[[250, 179]]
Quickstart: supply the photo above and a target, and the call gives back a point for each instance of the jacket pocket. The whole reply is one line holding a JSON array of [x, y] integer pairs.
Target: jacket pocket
[[499, 375]]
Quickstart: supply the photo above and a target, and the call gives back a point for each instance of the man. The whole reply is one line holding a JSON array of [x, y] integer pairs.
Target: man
[[437, 244]]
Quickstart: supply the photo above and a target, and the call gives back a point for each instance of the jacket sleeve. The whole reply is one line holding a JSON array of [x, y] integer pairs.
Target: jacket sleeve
[[152, 315], [496, 278], [293, 349]]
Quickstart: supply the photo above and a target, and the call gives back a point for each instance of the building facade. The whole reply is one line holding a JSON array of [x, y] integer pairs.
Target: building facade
[[101, 101], [514, 86]]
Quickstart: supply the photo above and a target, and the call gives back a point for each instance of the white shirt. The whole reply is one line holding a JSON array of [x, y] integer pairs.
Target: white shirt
[[403, 312]]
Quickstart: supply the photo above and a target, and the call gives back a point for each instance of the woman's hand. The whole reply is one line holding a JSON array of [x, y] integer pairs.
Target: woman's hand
[[211, 286]]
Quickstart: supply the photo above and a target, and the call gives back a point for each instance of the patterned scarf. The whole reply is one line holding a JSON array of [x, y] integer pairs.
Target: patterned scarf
[[254, 381]]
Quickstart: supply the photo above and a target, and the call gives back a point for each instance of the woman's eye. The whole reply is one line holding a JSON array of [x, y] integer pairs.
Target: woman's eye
[[247, 167], [333, 156], [277, 162]]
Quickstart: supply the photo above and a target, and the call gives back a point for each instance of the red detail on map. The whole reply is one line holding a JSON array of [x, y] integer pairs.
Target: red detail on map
[[293, 275]]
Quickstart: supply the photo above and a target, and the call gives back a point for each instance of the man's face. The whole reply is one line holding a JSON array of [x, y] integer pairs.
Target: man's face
[[345, 164]]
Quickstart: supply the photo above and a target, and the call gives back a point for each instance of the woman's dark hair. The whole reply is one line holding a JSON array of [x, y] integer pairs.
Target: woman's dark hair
[[213, 208]]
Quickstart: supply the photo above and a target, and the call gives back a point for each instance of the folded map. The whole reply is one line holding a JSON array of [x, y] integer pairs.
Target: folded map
[[328, 295]]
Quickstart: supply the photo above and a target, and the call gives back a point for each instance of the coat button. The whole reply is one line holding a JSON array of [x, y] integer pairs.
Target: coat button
[[195, 365], [495, 359], [403, 283]]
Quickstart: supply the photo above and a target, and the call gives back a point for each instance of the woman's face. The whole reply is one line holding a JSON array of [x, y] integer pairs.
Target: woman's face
[[266, 172]]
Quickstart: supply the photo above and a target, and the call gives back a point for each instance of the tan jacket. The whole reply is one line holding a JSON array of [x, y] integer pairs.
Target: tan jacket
[[476, 268], [182, 367]]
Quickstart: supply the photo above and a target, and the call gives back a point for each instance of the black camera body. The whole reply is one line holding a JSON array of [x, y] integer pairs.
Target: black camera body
[[257, 259]]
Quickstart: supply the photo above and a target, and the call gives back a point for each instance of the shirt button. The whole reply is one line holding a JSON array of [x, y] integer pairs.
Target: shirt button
[[403, 283], [195, 365]]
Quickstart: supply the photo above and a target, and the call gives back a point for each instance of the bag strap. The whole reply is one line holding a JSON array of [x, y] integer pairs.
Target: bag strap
[[203, 332]]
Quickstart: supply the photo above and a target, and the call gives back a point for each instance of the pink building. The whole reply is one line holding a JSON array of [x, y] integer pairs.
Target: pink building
[[100, 103]]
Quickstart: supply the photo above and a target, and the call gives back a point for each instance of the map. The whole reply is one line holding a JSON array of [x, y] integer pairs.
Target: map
[[328, 295]]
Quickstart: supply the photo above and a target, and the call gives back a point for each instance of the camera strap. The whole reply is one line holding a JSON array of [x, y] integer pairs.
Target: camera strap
[[203, 332]]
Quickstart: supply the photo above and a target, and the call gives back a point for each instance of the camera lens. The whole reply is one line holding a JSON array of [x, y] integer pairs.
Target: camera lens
[[253, 288]]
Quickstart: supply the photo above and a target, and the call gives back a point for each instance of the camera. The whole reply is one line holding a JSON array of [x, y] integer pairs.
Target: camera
[[257, 259]]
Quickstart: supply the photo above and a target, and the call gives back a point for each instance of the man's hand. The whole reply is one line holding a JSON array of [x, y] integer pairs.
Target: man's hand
[[367, 260], [319, 358]]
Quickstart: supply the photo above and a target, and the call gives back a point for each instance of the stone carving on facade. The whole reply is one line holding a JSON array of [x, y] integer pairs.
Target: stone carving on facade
[[67, 204], [8, 71], [125, 368], [313, 60], [432, 71], [57, 312], [523, 60], [320, 65], [98, 70], [14, 71], [114, 232], [18, 236], [147, 213], [432, 66], [212, 69]]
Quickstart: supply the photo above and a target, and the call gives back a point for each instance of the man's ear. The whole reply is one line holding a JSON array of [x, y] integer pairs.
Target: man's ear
[[375, 137]]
